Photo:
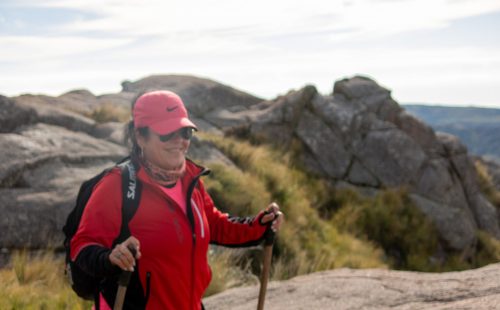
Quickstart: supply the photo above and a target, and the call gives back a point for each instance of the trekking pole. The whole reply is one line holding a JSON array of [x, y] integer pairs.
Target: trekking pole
[[264, 277], [123, 282]]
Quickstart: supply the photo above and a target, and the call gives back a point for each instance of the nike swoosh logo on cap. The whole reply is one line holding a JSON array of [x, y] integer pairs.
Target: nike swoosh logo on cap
[[172, 108]]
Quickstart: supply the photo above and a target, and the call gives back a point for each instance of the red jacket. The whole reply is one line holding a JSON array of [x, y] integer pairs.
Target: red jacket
[[173, 270]]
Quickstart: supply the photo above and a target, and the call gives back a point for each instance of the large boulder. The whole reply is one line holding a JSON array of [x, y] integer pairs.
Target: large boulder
[[80, 100], [41, 168], [29, 109], [200, 96], [371, 289], [34, 212]]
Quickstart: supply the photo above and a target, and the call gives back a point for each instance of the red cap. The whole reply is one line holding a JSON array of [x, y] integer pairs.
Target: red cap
[[162, 111]]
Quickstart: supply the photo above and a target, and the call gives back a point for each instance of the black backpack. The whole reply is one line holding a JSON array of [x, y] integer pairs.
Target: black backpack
[[85, 285]]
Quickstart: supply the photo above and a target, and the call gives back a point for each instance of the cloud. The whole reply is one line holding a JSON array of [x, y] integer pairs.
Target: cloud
[[278, 17], [37, 48], [260, 46]]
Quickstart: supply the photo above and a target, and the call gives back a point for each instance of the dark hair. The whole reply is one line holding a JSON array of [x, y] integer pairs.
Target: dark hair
[[129, 132]]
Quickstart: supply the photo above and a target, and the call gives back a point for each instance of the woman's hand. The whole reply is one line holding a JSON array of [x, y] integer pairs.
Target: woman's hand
[[273, 213], [121, 255]]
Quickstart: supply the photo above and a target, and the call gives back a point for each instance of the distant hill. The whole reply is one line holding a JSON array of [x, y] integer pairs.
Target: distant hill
[[477, 128]]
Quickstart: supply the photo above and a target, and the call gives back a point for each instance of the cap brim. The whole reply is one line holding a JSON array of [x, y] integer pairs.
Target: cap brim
[[171, 125]]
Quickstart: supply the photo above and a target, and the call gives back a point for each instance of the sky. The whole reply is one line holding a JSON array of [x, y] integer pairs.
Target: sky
[[443, 52]]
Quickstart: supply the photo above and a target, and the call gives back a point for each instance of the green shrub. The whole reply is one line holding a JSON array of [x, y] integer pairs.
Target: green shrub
[[391, 220]]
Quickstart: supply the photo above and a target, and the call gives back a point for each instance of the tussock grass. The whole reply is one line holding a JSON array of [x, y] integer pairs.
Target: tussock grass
[[229, 269], [409, 239], [488, 249], [306, 243], [37, 282], [109, 112], [407, 236], [486, 184]]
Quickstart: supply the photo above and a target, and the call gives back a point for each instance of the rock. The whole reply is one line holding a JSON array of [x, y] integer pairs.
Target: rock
[[337, 113], [391, 156], [486, 215], [30, 110], [123, 99], [224, 118], [371, 289], [276, 121], [41, 169], [206, 153], [80, 100], [359, 175], [451, 144], [358, 87], [33, 146], [318, 138], [454, 224], [199, 95], [205, 126], [111, 131], [33, 215], [421, 133], [13, 115]]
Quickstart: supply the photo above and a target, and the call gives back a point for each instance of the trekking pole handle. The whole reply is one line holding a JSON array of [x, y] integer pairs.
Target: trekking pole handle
[[270, 234], [124, 278]]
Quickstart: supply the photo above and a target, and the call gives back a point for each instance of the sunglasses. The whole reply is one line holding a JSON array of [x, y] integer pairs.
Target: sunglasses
[[186, 133]]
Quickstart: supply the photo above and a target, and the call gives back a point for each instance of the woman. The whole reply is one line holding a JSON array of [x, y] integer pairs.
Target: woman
[[174, 223]]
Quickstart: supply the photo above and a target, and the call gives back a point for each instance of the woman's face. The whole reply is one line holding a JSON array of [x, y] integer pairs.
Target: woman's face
[[169, 154]]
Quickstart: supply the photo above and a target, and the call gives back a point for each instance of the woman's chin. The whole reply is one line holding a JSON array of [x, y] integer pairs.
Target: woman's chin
[[174, 161]]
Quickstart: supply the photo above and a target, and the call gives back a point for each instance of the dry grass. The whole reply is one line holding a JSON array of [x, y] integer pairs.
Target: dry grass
[[486, 184], [37, 282], [110, 113], [229, 269], [306, 243]]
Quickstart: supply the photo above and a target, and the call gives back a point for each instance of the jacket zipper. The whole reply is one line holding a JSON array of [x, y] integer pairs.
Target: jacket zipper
[[191, 219], [192, 270], [200, 218]]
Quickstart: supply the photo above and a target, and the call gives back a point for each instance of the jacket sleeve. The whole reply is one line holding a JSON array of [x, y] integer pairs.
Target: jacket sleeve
[[99, 226], [232, 231]]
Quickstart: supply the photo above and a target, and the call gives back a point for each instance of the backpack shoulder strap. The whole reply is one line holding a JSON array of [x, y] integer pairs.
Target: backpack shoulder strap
[[131, 196]]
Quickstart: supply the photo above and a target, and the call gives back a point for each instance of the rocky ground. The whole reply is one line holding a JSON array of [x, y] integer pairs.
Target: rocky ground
[[372, 289]]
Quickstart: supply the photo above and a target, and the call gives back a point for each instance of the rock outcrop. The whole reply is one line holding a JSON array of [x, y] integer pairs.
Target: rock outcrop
[[202, 97], [44, 158], [361, 136], [371, 289]]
